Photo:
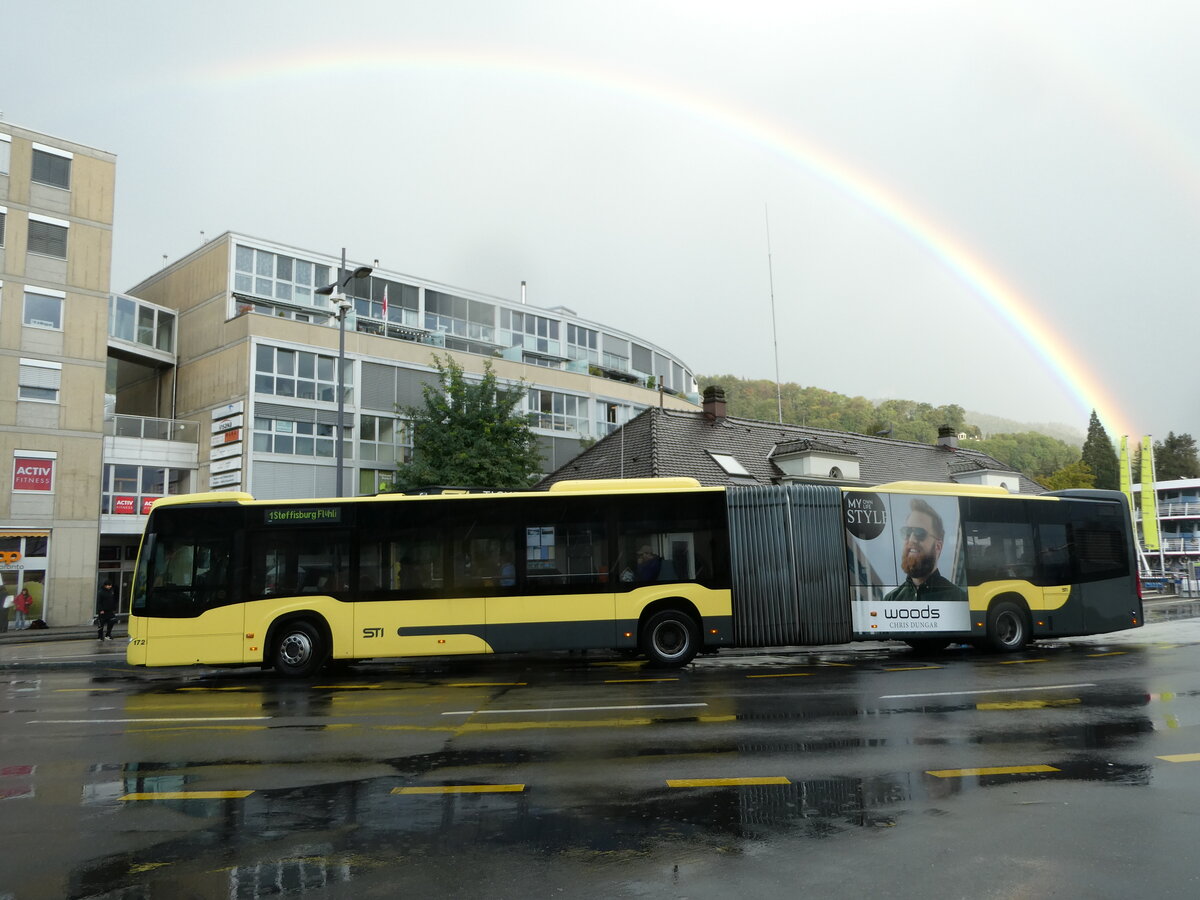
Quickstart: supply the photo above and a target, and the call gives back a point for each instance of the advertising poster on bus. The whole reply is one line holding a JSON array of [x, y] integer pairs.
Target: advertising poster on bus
[[907, 568]]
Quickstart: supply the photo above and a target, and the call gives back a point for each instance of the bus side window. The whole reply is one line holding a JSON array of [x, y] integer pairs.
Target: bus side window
[[1054, 554]]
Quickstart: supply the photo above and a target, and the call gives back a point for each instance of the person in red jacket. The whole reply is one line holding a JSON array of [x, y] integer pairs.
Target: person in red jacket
[[22, 603]]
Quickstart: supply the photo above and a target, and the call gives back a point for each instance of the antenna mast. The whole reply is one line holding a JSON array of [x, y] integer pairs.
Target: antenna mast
[[774, 327]]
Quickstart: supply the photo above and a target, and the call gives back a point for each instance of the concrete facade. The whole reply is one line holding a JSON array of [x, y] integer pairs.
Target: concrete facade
[[56, 200], [232, 323]]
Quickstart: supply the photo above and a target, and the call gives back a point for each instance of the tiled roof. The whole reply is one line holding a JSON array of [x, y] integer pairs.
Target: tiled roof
[[663, 443]]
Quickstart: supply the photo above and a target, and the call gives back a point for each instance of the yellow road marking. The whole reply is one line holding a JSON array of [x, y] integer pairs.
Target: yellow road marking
[[635, 680], [1112, 653], [146, 867], [992, 770], [1020, 662], [1182, 757], [462, 789], [346, 687], [725, 782], [189, 795], [488, 684], [783, 675], [1026, 704], [913, 668]]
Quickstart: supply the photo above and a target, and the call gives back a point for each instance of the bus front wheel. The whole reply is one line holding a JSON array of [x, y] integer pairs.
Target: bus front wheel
[[299, 650], [1007, 628], [670, 639]]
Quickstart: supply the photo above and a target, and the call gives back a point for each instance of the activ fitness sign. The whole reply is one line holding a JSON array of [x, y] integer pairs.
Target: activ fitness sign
[[33, 473]]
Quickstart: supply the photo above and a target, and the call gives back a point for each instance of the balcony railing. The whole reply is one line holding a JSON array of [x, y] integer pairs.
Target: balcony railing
[[150, 429], [1177, 509]]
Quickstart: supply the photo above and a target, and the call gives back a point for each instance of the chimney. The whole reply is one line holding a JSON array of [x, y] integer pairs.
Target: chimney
[[714, 404], [947, 438]]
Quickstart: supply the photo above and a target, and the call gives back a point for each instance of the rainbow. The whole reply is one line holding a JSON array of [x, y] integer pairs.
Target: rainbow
[[1018, 312]]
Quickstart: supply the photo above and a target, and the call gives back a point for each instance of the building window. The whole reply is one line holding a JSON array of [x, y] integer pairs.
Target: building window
[[583, 343], [557, 412], [48, 237], [459, 316], [384, 439], [292, 437], [52, 167], [643, 359], [39, 380], [609, 416], [43, 309], [141, 324], [278, 277], [5, 152], [536, 333], [403, 301], [296, 373], [129, 490], [616, 353], [375, 481], [3, 215], [729, 464]]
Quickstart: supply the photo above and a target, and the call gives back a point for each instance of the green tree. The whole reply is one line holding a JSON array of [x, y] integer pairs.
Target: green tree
[[1033, 455], [1175, 457], [470, 434], [1101, 456], [1074, 475]]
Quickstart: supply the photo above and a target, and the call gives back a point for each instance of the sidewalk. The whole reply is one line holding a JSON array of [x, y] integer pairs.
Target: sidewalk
[[61, 633]]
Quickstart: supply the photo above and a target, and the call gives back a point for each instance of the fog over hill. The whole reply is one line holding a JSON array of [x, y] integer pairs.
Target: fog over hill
[[990, 425]]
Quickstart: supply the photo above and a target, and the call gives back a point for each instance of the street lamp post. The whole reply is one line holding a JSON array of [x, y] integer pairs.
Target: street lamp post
[[341, 304]]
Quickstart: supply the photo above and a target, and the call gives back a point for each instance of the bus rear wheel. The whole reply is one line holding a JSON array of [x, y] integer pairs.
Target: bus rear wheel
[[299, 650], [670, 639], [1007, 628]]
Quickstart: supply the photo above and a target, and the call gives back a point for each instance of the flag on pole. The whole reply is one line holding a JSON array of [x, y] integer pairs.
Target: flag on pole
[[385, 302]]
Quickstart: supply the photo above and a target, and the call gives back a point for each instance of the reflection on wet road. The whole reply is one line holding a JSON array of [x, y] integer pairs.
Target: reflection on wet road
[[532, 775]]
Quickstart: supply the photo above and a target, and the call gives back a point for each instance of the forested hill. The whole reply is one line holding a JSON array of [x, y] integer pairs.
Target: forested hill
[[1029, 449]]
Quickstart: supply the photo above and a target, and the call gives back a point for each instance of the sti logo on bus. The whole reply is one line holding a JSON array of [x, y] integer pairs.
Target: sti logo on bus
[[372, 632], [866, 516]]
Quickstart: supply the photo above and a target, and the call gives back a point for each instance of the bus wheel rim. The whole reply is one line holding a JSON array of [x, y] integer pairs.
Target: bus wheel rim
[[670, 638], [295, 649]]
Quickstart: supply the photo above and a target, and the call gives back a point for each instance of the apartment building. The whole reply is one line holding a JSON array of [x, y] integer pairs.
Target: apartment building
[[56, 216], [258, 352]]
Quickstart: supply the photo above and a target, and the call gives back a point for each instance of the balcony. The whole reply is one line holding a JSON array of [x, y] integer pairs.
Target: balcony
[[144, 458], [145, 428]]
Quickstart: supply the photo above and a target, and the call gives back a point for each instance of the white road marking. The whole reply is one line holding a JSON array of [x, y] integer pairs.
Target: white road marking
[[562, 709], [1046, 687]]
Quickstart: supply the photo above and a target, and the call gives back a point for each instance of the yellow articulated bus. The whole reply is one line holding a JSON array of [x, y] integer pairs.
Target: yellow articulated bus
[[661, 567]]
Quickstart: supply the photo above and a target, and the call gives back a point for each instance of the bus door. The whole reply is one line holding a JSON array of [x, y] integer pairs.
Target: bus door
[[191, 613], [415, 597]]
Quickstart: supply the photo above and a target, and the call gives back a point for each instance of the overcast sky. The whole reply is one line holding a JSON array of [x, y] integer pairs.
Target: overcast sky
[[994, 204]]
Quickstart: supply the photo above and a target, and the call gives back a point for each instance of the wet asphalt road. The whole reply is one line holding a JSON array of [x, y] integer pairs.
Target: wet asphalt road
[[1071, 770]]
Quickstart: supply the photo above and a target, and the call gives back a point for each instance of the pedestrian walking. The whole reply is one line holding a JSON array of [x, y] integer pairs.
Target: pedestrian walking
[[106, 610], [6, 603]]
